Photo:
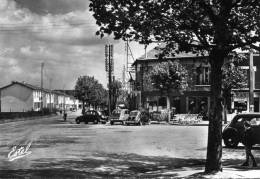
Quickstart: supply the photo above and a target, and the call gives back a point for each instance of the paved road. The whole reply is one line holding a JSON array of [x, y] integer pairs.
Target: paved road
[[65, 149]]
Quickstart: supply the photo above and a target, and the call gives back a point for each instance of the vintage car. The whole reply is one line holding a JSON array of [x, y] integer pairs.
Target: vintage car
[[103, 117], [119, 116], [234, 131], [138, 117], [89, 116]]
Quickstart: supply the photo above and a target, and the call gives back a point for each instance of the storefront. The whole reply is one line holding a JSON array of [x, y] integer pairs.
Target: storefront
[[240, 100]]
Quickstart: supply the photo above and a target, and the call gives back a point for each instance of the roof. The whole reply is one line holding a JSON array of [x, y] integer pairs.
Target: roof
[[153, 55], [33, 87]]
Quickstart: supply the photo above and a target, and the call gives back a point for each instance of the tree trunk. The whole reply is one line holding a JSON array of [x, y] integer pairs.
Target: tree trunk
[[168, 107], [225, 113], [214, 148], [83, 107]]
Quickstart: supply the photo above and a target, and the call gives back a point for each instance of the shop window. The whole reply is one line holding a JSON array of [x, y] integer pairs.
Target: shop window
[[240, 106], [162, 102]]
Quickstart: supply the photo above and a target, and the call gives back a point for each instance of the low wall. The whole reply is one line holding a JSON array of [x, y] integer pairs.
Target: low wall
[[13, 115]]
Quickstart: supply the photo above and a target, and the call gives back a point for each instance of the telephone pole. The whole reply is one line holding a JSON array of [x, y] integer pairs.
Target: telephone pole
[[42, 65], [50, 95], [109, 65]]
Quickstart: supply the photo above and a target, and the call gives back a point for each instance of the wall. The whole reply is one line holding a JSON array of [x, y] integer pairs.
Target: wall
[[16, 98]]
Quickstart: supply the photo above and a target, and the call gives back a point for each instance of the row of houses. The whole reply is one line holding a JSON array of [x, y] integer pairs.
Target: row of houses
[[22, 97], [195, 97]]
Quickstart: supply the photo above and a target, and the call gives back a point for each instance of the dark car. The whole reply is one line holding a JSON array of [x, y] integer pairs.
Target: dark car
[[137, 117], [89, 116], [234, 131]]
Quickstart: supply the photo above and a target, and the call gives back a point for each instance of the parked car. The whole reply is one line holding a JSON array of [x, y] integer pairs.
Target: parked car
[[103, 117], [234, 131], [89, 116], [119, 116], [138, 117], [155, 115]]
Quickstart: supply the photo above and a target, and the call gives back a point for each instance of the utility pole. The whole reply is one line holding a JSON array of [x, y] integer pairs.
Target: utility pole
[[50, 95], [64, 99], [42, 65], [109, 64], [251, 82]]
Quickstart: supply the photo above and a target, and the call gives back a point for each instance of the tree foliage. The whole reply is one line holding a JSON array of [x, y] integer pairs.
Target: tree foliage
[[195, 25], [89, 90], [233, 76], [213, 27], [168, 75]]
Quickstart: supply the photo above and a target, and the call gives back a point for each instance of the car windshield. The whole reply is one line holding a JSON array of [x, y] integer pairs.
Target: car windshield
[[133, 113], [116, 113]]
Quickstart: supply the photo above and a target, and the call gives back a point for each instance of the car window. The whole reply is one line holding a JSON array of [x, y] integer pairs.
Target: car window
[[133, 113], [239, 122], [116, 113], [255, 121]]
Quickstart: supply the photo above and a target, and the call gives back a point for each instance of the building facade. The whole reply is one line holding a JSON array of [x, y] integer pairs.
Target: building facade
[[23, 97], [196, 97]]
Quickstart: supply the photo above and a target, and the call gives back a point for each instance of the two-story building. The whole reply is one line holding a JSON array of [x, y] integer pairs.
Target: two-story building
[[192, 99], [22, 97]]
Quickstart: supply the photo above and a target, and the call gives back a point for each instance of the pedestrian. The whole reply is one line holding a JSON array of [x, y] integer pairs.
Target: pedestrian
[[65, 116], [248, 141]]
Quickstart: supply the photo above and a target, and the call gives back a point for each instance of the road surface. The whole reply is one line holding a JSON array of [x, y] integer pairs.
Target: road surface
[[65, 149]]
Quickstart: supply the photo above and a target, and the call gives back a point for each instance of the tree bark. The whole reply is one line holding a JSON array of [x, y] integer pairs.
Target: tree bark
[[214, 148], [83, 107], [168, 107]]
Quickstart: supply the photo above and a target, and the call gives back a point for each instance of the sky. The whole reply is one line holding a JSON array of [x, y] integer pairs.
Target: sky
[[60, 34]]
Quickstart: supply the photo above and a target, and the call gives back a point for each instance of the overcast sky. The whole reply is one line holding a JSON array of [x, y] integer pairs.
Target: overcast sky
[[60, 33]]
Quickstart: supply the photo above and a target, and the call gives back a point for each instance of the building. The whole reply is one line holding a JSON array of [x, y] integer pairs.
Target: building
[[195, 97], [240, 97], [23, 97]]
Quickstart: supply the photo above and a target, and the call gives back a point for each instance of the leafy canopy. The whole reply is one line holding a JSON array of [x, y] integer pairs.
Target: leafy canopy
[[195, 25], [168, 75], [88, 89]]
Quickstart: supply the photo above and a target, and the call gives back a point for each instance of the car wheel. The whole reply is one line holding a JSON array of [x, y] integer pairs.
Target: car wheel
[[95, 122], [77, 121], [112, 123], [231, 142], [230, 139], [86, 122]]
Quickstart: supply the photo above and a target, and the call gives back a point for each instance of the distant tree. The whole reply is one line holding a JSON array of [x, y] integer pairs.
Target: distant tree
[[89, 91], [168, 76], [213, 27]]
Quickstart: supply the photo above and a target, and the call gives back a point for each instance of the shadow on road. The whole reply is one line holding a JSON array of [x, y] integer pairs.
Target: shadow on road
[[102, 165], [107, 165]]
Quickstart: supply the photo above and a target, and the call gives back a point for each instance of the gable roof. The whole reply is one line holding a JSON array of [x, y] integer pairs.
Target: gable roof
[[27, 85], [152, 55]]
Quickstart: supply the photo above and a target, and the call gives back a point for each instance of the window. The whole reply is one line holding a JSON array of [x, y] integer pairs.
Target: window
[[203, 75]]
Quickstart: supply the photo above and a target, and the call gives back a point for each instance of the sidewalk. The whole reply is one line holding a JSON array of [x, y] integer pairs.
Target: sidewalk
[[227, 173]]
